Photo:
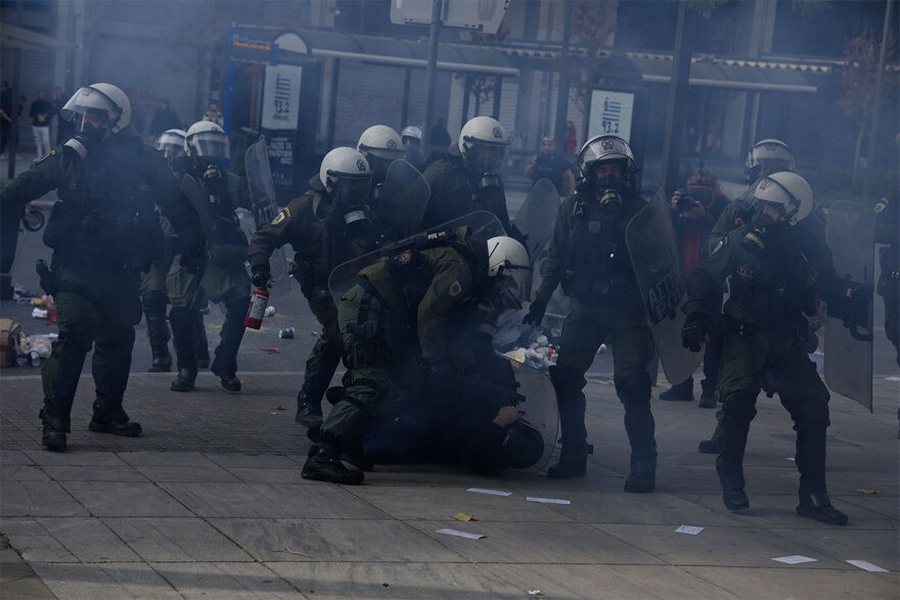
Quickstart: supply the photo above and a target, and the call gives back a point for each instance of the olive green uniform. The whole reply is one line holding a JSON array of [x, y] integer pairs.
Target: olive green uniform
[[320, 243], [103, 232], [456, 191], [222, 279], [776, 277], [403, 308], [154, 301], [588, 256]]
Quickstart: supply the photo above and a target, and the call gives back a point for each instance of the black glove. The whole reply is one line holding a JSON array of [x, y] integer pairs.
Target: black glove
[[535, 312], [694, 331], [260, 276], [193, 259]]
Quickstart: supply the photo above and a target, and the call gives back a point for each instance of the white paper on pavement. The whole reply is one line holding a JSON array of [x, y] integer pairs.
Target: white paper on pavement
[[689, 529], [547, 500], [796, 559], [475, 490], [892, 378], [462, 534], [867, 566]]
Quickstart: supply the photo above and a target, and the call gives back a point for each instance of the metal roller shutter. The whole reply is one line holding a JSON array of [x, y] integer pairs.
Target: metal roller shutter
[[367, 95]]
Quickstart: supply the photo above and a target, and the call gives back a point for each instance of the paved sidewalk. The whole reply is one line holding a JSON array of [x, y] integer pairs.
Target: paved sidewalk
[[210, 503]]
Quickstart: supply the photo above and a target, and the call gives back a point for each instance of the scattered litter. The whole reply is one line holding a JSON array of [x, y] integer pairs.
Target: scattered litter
[[289, 551], [689, 529], [791, 458], [892, 378], [476, 490], [271, 350], [540, 354], [464, 517], [270, 311], [287, 333], [41, 345], [796, 559], [315, 333], [535, 593], [547, 500], [39, 313], [867, 566], [866, 491], [462, 534]]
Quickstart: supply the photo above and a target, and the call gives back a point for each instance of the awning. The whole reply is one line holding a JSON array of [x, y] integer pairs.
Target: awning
[[26, 39], [402, 52], [732, 76]]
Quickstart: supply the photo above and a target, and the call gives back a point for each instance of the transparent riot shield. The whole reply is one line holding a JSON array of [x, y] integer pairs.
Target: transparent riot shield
[[537, 215], [265, 208], [403, 198], [848, 342], [482, 224], [651, 241], [539, 407]]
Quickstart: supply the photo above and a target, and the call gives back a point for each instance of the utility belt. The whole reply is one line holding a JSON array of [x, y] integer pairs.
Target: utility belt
[[53, 285]]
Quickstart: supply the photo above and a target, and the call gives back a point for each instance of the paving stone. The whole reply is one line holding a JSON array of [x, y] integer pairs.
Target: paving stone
[[38, 499], [800, 583], [841, 544], [22, 473], [89, 539], [175, 540], [80, 473], [333, 540], [76, 458], [656, 508], [14, 457], [148, 458], [623, 582], [414, 503], [226, 581], [278, 501], [105, 580], [724, 546], [250, 461], [12, 567], [32, 540], [291, 475], [188, 474], [572, 543], [113, 499], [889, 506], [400, 581], [29, 588]]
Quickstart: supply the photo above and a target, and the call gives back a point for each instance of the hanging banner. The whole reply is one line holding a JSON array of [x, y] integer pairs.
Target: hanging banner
[[611, 114], [281, 97]]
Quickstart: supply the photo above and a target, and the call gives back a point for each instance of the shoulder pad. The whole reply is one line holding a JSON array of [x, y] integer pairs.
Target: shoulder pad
[[75, 145], [754, 240]]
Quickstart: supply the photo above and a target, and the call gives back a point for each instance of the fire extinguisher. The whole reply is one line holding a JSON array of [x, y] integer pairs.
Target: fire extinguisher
[[259, 299]]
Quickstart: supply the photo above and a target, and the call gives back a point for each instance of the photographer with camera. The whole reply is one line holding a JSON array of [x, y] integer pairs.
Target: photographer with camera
[[695, 210]]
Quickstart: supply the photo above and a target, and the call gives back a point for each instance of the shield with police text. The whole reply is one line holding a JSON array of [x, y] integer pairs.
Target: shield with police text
[[535, 221], [539, 409], [265, 208], [651, 241], [848, 337], [402, 198], [482, 225]]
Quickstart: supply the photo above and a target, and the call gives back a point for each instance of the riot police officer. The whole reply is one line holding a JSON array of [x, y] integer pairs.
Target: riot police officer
[[218, 274], [777, 271], [403, 308], [103, 232], [411, 136], [328, 225], [380, 145], [467, 177], [588, 256]]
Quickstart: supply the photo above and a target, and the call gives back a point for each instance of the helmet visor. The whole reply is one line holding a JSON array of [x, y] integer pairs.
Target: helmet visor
[[487, 158], [211, 144], [171, 145], [351, 190], [88, 100]]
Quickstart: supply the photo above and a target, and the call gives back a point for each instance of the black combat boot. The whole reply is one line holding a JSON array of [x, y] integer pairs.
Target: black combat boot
[[714, 444], [810, 461], [708, 395], [54, 435], [224, 365], [572, 463], [680, 392], [158, 332], [324, 464], [113, 420], [309, 410], [641, 430], [570, 400], [732, 480], [230, 382], [184, 381]]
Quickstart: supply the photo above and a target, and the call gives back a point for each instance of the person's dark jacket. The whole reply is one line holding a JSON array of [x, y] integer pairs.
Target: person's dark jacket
[[163, 120]]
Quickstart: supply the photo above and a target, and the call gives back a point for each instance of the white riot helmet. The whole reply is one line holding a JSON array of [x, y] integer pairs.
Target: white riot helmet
[[344, 173], [103, 101], [482, 143], [768, 156], [206, 139], [380, 145], [171, 143], [411, 132], [606, 148], [508, 257], [788, 190]]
